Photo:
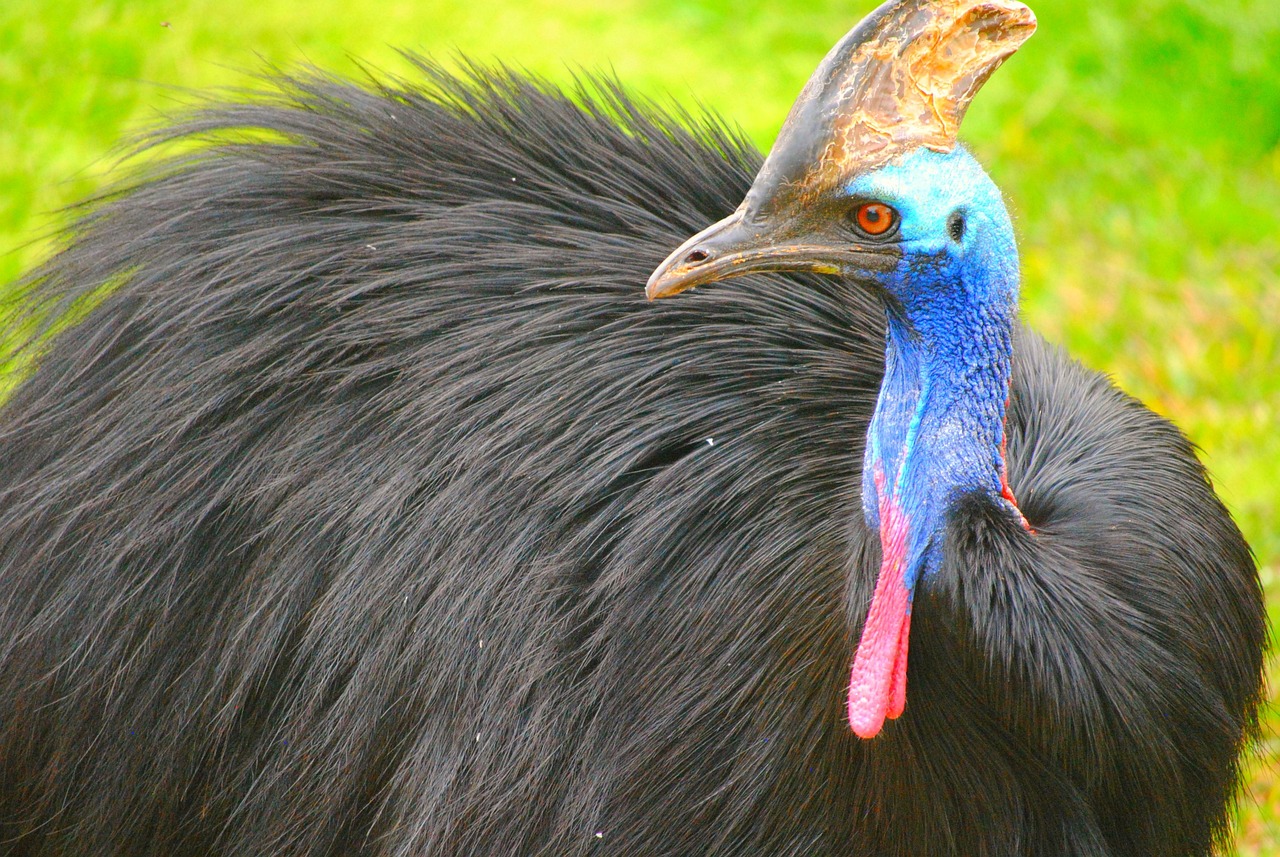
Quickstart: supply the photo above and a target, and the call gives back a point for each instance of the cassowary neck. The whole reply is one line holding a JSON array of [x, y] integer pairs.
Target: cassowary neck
[[937, 433], [938, 427]]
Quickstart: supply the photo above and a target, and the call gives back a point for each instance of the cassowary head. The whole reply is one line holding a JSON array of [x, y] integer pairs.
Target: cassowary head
[[866, 180]]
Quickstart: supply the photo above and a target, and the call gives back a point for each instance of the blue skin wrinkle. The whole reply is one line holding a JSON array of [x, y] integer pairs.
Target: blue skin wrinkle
[[938, 425]]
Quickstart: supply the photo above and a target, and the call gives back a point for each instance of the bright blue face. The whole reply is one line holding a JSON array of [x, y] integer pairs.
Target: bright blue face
[[954, 227]]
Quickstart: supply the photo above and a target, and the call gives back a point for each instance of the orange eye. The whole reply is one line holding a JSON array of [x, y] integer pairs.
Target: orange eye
[[875, 218]]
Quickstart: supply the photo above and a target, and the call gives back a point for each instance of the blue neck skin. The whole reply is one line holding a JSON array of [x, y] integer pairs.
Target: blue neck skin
[[938, 427]]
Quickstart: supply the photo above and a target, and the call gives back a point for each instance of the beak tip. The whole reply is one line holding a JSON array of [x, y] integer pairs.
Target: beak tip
[[651, 290], [714, 254], [665, 282]]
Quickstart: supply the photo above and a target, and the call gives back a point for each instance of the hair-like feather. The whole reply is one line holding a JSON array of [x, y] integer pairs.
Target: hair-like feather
[[373, 510]]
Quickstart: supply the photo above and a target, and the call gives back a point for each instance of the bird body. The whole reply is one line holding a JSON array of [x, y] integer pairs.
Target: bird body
[[372, 510]]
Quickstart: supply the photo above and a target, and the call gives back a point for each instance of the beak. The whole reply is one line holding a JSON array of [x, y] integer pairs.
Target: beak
[[737, 245]]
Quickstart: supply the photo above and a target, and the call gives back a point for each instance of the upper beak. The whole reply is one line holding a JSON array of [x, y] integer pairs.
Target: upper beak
[[736, 246]]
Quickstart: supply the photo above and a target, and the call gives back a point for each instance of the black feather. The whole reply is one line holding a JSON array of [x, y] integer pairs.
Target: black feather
[[372, 510]]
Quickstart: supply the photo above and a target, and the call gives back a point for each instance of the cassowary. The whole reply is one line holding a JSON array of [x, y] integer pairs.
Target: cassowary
[[360, 503]]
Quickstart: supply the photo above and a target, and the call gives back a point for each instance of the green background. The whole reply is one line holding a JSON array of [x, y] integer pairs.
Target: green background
[[1138, 144]]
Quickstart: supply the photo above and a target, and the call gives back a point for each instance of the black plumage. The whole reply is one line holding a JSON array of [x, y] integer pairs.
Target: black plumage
[[371, 509]]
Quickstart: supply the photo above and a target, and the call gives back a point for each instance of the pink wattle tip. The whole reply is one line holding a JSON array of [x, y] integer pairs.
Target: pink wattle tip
[[878, 685]]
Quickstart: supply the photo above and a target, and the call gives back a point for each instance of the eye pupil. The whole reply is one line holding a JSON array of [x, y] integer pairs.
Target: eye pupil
[[875, 218]]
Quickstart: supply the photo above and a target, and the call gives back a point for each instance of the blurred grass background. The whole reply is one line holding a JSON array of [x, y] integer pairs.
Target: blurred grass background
[[1138, 144]]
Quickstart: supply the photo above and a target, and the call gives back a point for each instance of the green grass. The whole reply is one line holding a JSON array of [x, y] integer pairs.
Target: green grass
[[1138, 143]]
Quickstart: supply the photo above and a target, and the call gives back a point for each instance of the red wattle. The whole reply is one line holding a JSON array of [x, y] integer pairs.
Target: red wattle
[[878, 684], [1005, 491]]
